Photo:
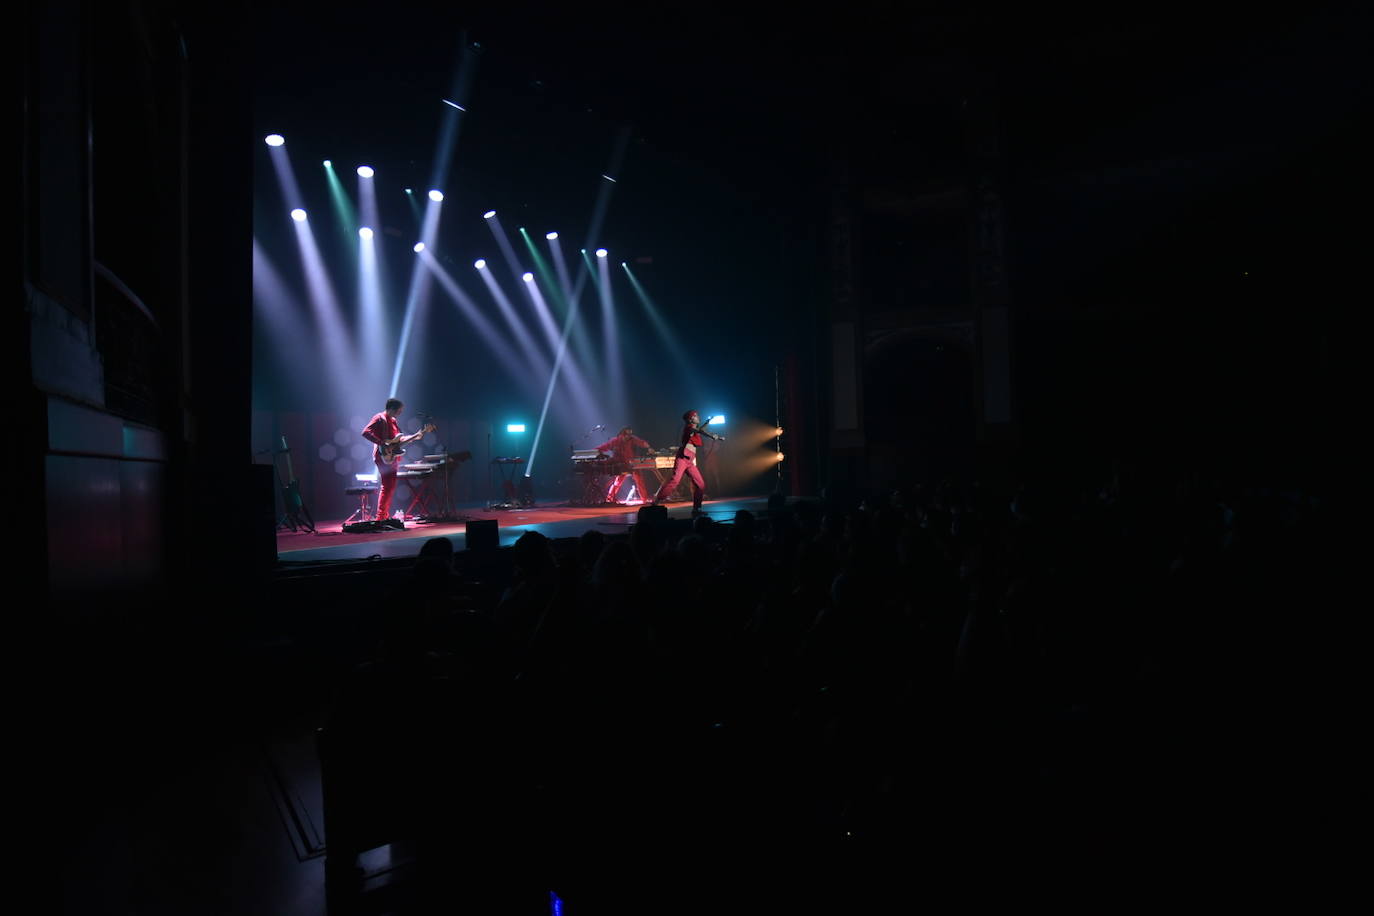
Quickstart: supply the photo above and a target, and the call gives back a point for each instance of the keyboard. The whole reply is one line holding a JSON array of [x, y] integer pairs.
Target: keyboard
[[653, 461]]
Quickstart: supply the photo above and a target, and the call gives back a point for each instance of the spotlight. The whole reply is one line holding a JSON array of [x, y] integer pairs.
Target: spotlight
[[489, 214], [298, 215], [515, 427], [365, 233], [551, 236], [779, 458], [365, 171], [601, 252], [778, 431], [528, 278], [454, 105], [328, 164], [719, 420], [419, 247], [275, 139], [480, 264], [609, 178], [436, 196], [408, 191]]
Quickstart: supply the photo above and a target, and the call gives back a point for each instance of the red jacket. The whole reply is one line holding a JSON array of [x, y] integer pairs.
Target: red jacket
[[622, 448], [379, 429], [691, 441]]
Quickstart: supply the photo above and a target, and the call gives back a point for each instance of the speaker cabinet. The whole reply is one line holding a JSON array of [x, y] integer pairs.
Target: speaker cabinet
[[652, 515], [481, 534]]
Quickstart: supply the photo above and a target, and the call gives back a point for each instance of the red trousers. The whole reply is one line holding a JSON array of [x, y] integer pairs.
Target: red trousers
[[386, 476], [619, 481], [683, 466]]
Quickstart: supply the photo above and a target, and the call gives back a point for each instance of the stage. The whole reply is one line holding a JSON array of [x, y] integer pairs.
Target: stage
[[330, 543]]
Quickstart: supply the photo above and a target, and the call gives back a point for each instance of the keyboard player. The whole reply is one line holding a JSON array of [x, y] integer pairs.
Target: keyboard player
[[622, 449]]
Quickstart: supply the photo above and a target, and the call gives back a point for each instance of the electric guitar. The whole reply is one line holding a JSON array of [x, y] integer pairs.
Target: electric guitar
[[392, 449], [702, 429], [296, 515]]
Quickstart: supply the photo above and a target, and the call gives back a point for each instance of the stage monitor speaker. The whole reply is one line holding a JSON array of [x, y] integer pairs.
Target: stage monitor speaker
[[652, 515], [481, 534]]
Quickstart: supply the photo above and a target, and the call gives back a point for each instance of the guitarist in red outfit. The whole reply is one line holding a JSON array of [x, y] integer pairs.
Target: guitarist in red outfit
[[686, 463], [387, 449]]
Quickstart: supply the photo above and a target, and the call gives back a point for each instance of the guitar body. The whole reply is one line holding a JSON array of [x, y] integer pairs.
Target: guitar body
[[297, 516], [291, 496], [392, 449]]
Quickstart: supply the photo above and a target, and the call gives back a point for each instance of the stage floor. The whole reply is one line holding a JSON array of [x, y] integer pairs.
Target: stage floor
[[330, 543]]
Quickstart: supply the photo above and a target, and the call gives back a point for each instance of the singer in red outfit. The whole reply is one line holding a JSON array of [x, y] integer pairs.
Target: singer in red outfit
[[381, 429], [686, 462], [622, 450]]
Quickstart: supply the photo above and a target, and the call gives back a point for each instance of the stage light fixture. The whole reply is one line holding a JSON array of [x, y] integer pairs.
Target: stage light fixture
[[515, 427], [298, 215], [528, 278], [779, 458], [454, 105], [480, 264], [601, 252], [419, 247], [436, 196], [609, 178], [275, 139], [365, 233], [365, 171], [328, 164], [718, 420], [409, 191], [778, 431], [489, 214], [551, 236]]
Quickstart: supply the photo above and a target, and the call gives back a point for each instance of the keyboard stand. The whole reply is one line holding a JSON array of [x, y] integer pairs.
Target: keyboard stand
[[507, 468], [420, 490]]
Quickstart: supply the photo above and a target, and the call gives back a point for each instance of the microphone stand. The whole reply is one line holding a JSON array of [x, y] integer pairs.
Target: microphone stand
[[490, 486], [710, 456]]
